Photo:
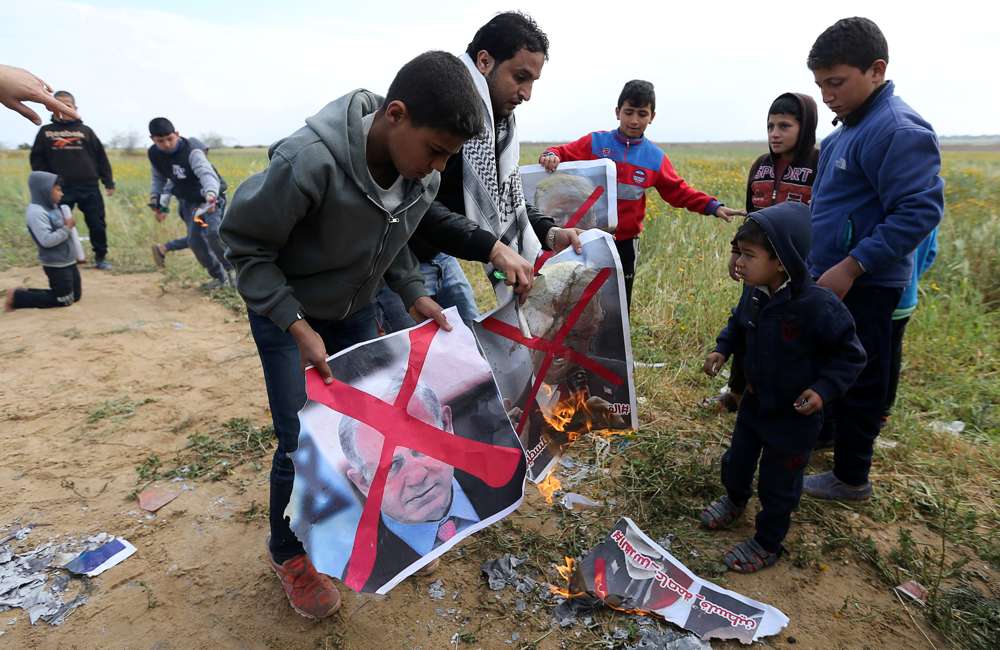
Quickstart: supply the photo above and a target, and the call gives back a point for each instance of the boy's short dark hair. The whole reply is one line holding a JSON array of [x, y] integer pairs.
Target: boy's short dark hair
[[160, 126], [439, 94], [788, 105], [507, 34], [751, 233], [58, 182], [639, 93], [64, 93], [853, 41]]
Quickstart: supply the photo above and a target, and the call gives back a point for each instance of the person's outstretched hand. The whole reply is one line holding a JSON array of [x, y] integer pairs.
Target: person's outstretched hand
[[727, 214], [17, 85]]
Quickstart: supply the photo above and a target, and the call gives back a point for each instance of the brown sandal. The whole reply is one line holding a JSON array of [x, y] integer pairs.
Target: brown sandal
[[720, 513], [750, 557]]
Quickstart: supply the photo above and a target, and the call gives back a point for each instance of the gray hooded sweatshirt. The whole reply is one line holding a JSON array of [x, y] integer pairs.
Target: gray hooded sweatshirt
[[46, 224], [308, 235]]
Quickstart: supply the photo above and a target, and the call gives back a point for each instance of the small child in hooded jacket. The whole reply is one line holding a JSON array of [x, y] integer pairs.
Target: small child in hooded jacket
[[801, 352]]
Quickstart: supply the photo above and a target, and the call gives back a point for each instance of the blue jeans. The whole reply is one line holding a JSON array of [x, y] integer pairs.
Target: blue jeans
[[286, 394], [444, 281], [204, 241]]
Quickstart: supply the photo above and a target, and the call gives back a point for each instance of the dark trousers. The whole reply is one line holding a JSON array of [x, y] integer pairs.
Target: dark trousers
[[286, 393], [628, 253], [764, 438], [87, 197], [856, 417], [64, 289], [895, 363]]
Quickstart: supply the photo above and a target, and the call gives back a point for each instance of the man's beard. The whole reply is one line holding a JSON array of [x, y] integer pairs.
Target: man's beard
[[499, 112]]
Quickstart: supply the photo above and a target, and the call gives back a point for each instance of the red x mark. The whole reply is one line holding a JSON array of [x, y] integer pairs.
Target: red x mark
[[555, 347], [493, 464], [572, 221]]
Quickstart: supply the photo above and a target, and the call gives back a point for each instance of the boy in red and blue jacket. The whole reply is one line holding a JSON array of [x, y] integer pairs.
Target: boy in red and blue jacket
[[640, 165]]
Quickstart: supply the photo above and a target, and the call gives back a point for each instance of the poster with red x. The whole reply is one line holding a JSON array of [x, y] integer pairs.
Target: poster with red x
[[579, 194], [408, 451], [563, 359]]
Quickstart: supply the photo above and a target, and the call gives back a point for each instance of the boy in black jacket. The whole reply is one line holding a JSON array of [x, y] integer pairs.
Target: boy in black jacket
[[72, 151], [801, 352]]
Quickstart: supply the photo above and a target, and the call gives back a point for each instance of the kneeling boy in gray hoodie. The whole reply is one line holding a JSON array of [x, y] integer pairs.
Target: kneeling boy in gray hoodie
[[52, 232]]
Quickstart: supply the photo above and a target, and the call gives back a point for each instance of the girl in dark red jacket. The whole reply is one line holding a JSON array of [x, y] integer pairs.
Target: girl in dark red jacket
[[787, 170], [784, 173]]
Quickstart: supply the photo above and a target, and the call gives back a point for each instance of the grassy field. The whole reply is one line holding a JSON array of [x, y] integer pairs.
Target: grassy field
[[934, 517]]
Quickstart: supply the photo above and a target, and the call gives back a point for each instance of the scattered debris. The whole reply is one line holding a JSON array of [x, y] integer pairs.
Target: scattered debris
[[570, 499], [647, 364], [568, 612], [914, 590], [502, 572], [657, 637], [955, 427], [97, 561], [154, 498], [436, 590], [883, 443], [575, 471], [34, 580]]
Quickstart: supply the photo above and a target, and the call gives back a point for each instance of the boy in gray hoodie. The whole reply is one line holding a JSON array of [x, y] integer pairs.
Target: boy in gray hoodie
[[312, 237], [51, 230]]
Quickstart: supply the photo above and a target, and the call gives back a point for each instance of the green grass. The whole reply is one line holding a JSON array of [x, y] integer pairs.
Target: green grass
[[930, 486]]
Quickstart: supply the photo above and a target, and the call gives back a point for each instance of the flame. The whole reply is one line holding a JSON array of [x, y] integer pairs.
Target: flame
[[566, 573], [548, 487], [567, 568], [570, 415]]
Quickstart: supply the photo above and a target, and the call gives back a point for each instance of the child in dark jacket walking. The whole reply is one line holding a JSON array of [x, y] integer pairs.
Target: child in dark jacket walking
[[801, 352]]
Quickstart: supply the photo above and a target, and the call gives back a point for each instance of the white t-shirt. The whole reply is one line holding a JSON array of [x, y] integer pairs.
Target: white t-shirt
[[392, 197]]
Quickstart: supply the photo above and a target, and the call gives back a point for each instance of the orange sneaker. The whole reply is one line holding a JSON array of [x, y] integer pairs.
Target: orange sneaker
[[309, 592]]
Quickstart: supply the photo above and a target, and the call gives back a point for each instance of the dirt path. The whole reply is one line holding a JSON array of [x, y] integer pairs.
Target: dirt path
[[74, 385]]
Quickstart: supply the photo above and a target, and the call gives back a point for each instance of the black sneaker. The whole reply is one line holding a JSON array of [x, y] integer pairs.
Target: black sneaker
[[102, 265]]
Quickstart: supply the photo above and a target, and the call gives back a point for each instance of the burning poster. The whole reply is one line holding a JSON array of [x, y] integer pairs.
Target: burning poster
[[407, 452], [563, 359], [629, 571], [579, 194]]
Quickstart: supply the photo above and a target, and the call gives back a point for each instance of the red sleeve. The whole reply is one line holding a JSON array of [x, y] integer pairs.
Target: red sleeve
[[576, 150], [678, 193]]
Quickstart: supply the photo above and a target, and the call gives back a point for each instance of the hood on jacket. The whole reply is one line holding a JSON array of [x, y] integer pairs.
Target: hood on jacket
[[40, 184], [807, 126], [789, 229], [338, 124]]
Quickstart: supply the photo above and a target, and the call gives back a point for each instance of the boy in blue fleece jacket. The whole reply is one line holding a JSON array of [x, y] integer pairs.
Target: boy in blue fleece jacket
[[801, 352], [877, 195]]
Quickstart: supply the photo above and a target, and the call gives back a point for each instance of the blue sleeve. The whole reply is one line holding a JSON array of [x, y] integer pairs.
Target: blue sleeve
[[911, 192], [927, 253]]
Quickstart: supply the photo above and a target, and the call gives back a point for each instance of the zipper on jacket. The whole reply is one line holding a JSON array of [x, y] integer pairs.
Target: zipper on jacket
[[391, 219]]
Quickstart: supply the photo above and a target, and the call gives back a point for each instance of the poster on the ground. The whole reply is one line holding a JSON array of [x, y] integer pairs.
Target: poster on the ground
[[629, 571], [579, 194], [406, 453], [563, 359]]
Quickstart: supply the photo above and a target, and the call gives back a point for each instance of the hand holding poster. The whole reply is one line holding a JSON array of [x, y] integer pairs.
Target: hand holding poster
[[406, 453], [630, 571], [563, 360]]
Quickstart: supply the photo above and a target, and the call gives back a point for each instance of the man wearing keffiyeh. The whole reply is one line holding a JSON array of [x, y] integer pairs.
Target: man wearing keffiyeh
[[503, 231]]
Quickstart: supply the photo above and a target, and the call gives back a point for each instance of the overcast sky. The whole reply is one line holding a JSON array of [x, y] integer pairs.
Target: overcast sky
[[252, 71]]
